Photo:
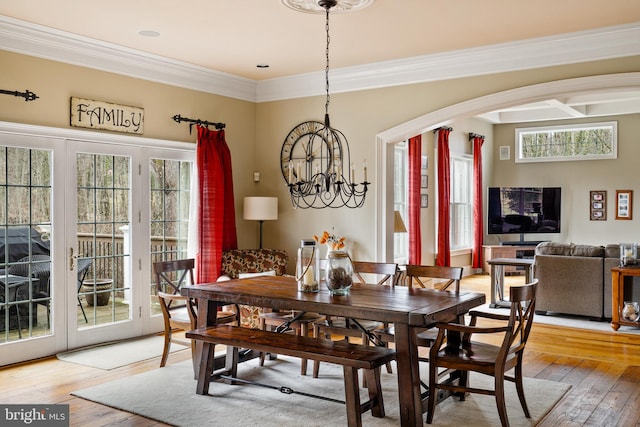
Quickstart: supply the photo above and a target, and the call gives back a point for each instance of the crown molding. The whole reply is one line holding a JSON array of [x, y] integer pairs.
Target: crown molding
[[43, 42], [571, 48], [48, 43]]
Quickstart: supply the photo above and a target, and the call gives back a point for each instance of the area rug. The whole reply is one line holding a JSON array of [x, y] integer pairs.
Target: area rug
[[168, 395], [112, 355], [568, 321]]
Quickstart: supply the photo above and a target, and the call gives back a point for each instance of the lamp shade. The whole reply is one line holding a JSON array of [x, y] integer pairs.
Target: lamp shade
[[260, 208], [398, 223]]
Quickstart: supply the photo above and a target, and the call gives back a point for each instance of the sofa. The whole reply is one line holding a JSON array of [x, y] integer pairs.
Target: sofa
[[575, 279], [238, 263]]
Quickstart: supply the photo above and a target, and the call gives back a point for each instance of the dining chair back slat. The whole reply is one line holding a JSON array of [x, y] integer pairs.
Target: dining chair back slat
[[416, 275]]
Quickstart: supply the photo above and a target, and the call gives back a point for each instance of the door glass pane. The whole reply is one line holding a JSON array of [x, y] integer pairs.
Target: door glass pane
[[103, 259], [170, 182], [25, 229]]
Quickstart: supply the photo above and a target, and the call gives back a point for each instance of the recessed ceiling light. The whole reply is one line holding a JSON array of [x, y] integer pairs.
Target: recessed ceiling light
[[148, 33], [312, 6], [262, 66]]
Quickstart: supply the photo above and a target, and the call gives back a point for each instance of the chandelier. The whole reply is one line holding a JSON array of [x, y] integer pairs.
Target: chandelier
[[316, 160]]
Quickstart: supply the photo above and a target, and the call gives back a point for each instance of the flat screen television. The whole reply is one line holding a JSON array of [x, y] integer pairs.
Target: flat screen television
[[523, 210]]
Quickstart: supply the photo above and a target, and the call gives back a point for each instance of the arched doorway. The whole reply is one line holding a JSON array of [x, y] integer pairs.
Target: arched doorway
[[470, 108]]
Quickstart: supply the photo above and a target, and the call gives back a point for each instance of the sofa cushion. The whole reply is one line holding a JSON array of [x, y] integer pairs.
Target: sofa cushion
[[612, 250], [245, 262], [554, 248], [588, 250]]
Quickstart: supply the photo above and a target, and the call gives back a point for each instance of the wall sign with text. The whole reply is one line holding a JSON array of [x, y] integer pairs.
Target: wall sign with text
[[87, 113]]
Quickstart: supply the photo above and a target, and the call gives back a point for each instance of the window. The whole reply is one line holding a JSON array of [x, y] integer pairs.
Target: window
[[461, 201], [170, 185], [400, 194], [25, 225], [585, 141]]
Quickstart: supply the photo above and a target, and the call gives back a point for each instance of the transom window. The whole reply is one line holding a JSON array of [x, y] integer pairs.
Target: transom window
[[584, 141]]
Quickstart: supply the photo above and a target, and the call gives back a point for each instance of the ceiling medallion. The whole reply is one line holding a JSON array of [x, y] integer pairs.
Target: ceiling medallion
[[312, 6]]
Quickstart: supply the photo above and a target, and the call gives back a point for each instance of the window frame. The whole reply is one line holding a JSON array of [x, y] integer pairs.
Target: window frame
[[453, 205], [567, 128]]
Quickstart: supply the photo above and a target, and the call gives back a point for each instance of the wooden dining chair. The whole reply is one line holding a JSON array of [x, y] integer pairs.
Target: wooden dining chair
[[435, 277], [380, 273], [466, 355], [180, 312]]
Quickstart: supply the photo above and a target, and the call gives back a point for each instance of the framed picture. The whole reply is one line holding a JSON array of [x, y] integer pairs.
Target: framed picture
[[424, 163], [624, 204], [424, 181], [598, 205], [424, 200]]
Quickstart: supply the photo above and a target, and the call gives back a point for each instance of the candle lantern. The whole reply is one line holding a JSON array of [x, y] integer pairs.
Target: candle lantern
[[308, 266], [628, 254]]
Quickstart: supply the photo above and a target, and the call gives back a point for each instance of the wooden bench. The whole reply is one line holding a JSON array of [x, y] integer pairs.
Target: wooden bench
[[351, 356]]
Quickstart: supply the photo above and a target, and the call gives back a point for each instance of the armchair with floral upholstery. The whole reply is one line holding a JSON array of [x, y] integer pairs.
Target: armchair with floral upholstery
[[238, 262]]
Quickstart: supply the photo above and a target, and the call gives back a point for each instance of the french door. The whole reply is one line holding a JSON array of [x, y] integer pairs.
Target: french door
[[98, 248], [107, 206]]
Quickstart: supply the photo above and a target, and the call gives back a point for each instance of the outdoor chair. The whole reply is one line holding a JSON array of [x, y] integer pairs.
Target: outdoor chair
[[83, 269], [35, 267], [465, 355]]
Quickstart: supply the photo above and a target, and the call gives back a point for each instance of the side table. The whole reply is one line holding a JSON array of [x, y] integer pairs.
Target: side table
[[497, 277], [617, 298]]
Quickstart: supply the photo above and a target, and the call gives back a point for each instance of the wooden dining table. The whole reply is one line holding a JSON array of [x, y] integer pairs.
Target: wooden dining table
[[408, 309]]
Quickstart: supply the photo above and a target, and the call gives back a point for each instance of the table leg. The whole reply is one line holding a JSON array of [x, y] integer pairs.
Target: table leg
[[497, 287], [204, 319], [409, 396], [617, 291]]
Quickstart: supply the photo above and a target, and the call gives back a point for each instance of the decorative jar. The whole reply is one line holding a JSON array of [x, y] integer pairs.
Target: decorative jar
[[630, 311], [339, 276], [308, 266]]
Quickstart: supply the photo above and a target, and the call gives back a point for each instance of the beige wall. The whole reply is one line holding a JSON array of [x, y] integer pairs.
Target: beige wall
[[55, 83], [255, 131]]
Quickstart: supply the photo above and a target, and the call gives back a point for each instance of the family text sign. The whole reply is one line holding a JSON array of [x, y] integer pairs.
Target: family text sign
[[87, 113]]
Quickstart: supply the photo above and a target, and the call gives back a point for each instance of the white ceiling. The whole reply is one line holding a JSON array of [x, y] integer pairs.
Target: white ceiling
[[233, 36]]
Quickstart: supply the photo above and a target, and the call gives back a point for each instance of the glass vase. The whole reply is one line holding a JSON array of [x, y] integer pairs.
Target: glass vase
[[339, 278], [630, 311]]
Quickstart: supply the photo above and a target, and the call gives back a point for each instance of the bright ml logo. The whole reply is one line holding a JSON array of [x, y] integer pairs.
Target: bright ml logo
[[34, 415]]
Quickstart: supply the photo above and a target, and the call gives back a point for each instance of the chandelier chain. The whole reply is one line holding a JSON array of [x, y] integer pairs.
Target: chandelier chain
[[326, 70]]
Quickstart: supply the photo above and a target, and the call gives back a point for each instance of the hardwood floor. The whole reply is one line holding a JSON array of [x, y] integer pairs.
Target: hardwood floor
[[602, 367]]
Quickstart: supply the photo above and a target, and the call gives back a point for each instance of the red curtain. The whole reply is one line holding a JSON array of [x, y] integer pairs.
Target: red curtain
[[444, 198], [478, 230], [415, 243], [216, 207]]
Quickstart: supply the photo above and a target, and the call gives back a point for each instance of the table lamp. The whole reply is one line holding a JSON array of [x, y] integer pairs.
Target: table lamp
[[398, 223], [260, 209]]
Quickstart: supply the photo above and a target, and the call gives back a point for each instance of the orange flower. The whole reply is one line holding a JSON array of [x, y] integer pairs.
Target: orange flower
[[334, 241]]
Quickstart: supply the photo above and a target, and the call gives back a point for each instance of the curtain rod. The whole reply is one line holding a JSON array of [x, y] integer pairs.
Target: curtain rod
[[473, 135], [179, 119], [443, 128], [27, 94]]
